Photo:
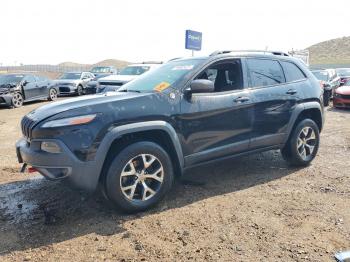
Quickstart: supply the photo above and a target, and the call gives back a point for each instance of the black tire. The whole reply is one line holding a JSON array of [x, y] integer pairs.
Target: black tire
[[293, 153], [52, 94], [326, 97], [17, 100], [114, 181], [80, 90]]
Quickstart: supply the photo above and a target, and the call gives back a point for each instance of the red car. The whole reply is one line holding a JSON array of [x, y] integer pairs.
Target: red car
[[341, 97]]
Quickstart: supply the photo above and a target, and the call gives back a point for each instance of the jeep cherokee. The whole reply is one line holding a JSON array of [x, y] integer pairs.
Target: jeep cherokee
[[187, 112]]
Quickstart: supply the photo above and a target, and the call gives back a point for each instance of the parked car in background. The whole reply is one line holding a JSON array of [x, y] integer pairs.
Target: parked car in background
[[344, 74], [99, 72], [74, 82], [329, 81], [136, 141], [113, 82], [15, 89], [104, 70], [341, 97]]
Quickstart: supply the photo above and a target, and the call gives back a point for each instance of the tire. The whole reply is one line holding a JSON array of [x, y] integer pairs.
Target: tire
[[125, 183], [326, 98], [52, 94], [17, 100], [80, 91], [303, 144]]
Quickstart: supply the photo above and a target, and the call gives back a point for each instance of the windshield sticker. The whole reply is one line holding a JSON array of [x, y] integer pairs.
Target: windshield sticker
[[183, 67], [162, 86]]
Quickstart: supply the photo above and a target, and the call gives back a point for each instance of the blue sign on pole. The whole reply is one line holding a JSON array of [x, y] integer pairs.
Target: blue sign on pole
[[193, 40]]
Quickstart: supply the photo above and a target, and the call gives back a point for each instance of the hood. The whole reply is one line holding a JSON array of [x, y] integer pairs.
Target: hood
[[117, 78], [67, 81], [54, 108], [343, 90]]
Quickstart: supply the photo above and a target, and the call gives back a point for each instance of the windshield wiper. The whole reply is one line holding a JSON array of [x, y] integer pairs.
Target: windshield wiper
[[129, 90]]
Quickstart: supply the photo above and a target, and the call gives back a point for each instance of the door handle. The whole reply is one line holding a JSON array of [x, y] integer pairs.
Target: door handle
[[291, 92], [241, 99]]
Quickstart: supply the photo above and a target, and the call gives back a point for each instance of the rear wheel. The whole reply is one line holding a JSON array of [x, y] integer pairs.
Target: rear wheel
[[17, 100], [326, 97], [303, 144], [52, 94], [139, 177]]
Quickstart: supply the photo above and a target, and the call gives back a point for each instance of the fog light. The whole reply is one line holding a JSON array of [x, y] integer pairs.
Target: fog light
[[50, 147]]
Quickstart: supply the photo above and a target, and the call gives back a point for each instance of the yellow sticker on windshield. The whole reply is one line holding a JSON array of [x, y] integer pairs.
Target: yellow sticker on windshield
[[160, 87]]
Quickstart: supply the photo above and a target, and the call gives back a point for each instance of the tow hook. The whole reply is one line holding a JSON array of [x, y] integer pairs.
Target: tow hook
[[30, 169], [23, 168]]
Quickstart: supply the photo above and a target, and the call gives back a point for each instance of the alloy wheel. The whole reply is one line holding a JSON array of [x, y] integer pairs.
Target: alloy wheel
[[17, 100], [53, 94], [141, 178], [306, 142]]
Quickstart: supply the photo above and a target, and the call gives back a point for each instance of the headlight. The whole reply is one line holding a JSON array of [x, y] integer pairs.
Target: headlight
[[71, 121]]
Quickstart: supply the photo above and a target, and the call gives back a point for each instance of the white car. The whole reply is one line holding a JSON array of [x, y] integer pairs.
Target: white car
[[114, 82]]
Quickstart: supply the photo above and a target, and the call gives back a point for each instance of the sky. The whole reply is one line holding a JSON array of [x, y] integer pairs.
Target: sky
[[84, 31]]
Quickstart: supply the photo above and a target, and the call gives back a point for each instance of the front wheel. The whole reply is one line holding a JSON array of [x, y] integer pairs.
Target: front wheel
[[17, 100], [139, 177], [303, 144], [80, 90]]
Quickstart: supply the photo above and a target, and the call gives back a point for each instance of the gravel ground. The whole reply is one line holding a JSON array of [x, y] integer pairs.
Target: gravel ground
[[255, 208]]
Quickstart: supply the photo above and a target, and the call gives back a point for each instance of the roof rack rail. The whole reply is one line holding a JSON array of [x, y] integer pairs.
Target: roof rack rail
[[152, 62], [220, 52]]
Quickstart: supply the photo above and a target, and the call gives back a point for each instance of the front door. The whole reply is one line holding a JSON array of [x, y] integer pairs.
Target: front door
[[217, 124]]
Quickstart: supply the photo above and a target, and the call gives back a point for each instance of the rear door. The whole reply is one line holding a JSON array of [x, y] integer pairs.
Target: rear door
[[30, 87], [219, 123], [42, 83], [274, 101]]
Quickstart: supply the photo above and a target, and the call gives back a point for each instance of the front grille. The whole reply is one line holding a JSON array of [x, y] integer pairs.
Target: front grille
[[343, 96], [27, 125], [64, 89], [111, 83]]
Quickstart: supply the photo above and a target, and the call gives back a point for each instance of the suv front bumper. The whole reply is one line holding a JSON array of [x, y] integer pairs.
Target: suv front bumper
[[6, 99], [58, 166]]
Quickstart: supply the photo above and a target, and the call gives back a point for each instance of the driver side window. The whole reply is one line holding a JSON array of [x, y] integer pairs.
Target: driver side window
[[29, 79], [226, 75]]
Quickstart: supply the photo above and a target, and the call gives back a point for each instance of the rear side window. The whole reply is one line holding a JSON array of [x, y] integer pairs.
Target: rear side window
[[292, 72], [265, 72]]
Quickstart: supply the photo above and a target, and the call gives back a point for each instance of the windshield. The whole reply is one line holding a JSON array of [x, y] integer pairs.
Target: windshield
[[100, 69], [71, 76], [163, 77], [343, 71], [321, 75], [10, 79], [134, 70]]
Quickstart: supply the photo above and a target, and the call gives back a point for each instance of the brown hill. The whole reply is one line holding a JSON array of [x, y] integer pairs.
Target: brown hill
[[334, 51], [108, 62], [113, 62]]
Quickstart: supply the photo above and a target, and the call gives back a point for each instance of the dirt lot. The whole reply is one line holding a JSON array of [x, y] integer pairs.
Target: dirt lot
[[251, 209]]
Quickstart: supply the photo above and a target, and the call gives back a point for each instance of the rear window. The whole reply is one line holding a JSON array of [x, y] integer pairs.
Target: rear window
[[292, 72], [265, 72]]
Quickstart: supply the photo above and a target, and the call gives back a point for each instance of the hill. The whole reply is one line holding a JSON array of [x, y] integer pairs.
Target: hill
[[112, 62], [108, 62], [334, 51]]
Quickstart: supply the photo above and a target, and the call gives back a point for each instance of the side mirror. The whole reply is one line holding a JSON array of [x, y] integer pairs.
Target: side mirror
[[24, 83], [202, 86]]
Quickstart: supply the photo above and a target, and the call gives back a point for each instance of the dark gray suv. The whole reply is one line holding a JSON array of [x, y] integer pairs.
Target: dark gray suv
[[188, 112]]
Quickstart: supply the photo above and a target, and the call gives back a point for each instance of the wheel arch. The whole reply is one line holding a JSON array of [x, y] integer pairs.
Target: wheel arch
[[311, 110], [159, 132]]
